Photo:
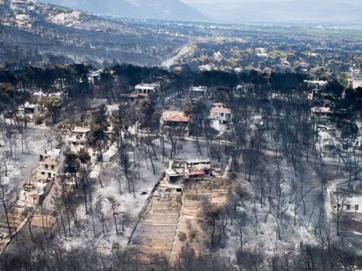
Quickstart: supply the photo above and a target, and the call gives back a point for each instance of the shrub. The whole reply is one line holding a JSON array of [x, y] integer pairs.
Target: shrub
[[182, 236]]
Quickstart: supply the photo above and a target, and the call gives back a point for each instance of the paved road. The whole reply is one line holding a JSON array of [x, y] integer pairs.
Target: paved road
[[185, 50]]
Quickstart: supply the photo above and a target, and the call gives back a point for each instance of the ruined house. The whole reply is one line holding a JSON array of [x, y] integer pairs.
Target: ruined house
[[348, 196], [179, 170], [38, 187], [78, 138]]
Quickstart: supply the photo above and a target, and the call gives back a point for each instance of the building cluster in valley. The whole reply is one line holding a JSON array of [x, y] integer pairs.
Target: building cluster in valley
[[23, 13], [19, 13]]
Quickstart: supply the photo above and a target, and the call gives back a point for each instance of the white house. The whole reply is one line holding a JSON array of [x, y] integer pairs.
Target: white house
[[221, 113], [22, 17], [18, 5], [111, 108], [39, 185], [261, 52], [49, 164], [94, 76], [146, 88], [78, 138], [322, 112], [199, 91], [349, 204], [347, 197], [357, 81], [316, 83], [31, 111]]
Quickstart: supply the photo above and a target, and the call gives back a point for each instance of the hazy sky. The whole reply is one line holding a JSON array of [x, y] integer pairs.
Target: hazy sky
[[355, 2], [229, 1]]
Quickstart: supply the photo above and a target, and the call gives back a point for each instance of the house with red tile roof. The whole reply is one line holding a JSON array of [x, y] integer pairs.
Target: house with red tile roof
[[174, 119]]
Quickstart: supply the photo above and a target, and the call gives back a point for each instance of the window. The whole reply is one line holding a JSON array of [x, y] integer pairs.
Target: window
[[43, 173], [46, 166], [348, 207], [52, 166], [356, 207]]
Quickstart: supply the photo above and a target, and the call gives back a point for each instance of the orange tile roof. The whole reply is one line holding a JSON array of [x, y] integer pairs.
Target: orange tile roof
[[197, 172], [174, 116], [220, 110]]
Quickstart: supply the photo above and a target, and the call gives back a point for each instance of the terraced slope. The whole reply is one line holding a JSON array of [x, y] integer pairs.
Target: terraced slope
[[166, 225], [155, 233]]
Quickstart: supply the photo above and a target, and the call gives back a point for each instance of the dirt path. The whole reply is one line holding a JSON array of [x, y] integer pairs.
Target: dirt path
[[156, 229]]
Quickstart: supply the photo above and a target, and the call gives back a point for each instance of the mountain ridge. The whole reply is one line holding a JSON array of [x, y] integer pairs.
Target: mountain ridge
[[161, 9]]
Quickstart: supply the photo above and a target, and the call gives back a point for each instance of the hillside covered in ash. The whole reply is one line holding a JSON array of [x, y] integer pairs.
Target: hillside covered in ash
[[56, 35]]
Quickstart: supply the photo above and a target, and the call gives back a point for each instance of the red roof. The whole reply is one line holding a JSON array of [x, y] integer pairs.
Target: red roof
[[325, 110], [220, 110], [174, 116], [197, 172]]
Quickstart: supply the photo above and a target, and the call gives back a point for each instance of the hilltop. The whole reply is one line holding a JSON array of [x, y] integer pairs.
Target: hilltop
[[43, 33]]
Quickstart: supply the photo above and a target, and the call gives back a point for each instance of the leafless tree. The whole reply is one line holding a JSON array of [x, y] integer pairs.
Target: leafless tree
[[5, 159], [85, 182], [99, 177], [127, 164], [5, 206], [100, 213], [58, 206], [126, 220], [118, 176], [114, 206], [241, 222], [214, 220], [340, 201], [28, 214]]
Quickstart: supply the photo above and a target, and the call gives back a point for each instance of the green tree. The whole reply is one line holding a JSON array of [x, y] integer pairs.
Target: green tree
[[98, 136], [344, 78], [71, 162], [84, 156], [335, 88], [54, 105]]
